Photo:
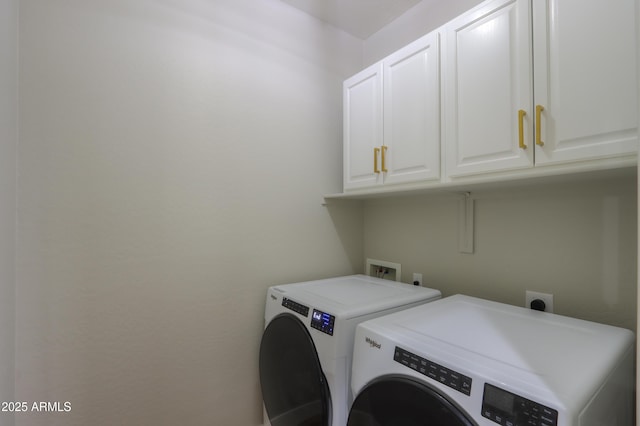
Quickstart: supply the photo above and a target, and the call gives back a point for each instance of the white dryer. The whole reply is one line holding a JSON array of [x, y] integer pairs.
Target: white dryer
[[462, 361], [307, 345]]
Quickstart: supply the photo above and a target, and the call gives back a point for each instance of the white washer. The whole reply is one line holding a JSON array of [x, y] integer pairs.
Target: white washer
[[467, 361], [307, 345]]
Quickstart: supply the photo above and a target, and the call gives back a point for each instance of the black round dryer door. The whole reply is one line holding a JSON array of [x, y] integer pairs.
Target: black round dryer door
[[402, 401], [294, 389]]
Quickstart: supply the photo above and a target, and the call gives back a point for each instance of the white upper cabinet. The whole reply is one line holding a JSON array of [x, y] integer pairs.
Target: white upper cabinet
[[412, 112], [488, 81], [540, 83], [529, 88], [392, 118], [585, 78], [362, 103]]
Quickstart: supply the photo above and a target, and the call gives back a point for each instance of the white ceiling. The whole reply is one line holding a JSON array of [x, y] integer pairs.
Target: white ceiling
[[360, 18]]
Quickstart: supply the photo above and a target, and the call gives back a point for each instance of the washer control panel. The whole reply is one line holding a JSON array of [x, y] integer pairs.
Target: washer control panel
[[437, 372], [295, 306], [509, 409], [323, 321]]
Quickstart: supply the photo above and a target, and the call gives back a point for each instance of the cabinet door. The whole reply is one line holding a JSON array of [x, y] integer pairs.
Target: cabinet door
[[585, 78], [362, 105], [412, 112], [488, 80]]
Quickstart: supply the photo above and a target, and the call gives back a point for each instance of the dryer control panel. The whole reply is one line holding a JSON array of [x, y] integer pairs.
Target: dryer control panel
[[509, 409], [437, 372], [295, 306]]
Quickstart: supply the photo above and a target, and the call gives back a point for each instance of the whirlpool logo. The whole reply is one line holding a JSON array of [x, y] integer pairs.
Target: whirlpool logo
[[372, 343]]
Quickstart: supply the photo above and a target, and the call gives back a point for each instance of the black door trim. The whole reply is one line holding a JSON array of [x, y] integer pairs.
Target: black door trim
[[398, 400], [294, 388]]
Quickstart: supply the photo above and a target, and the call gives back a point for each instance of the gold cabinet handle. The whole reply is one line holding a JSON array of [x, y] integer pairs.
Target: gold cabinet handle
[[521, 114], [384, 151], [539, 109], [376, 151]]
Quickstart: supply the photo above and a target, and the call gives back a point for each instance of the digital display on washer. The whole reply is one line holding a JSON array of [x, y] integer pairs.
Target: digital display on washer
[[323, 321], [437, 372], [506, 408]]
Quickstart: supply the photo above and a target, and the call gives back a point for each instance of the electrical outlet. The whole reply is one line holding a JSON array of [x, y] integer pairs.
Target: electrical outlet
[[417, 278], [545, 297]]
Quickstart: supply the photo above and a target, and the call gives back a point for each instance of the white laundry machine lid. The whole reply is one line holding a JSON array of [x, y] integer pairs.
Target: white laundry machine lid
[[564, 358], [356, 295]]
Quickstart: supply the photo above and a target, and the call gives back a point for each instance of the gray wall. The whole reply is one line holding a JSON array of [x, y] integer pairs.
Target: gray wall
[[421, 19], [8, 139], [576, 240], [172, 160]]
